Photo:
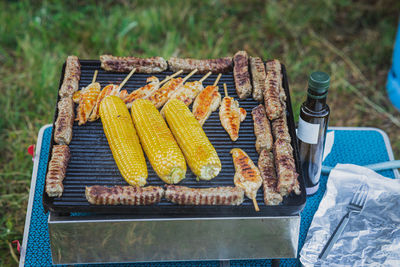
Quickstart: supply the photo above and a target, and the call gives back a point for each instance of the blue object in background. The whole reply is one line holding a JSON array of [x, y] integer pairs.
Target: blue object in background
[[393, 82]]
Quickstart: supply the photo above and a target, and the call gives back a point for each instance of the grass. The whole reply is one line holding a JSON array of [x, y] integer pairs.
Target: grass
[[352, 41]]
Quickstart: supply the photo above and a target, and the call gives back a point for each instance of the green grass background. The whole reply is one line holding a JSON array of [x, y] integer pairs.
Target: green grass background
[[351, 40]]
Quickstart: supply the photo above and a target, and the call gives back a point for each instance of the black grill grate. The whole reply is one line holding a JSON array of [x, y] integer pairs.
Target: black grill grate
[[92, 162]]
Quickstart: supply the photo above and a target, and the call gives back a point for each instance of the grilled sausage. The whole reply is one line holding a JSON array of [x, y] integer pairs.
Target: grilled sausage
[[275, 65], [72, 75], [218, 65], [123, 195], [126, 64], [270, 181], [183, 195], [280, 129], [285, 168], [241, 74], [262, 129], [259, 76], [273, 91], [64, 122], [56, 170]]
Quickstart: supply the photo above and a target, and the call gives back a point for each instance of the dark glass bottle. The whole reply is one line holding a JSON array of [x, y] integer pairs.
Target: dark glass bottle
[[311, 132]]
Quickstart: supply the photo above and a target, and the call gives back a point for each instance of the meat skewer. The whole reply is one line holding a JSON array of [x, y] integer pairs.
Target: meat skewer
[[247, 176], [262, 129], [272, 92], [153, 84], [285, 168], [64, 122], [280, 129], [110, 89], [275, 66], [241, 74], [188, 92], [207, 102], [224, 195], [72, 75], [87, 101], [270, 181], [142, 65], [258, 76], [123, 195], [161, 96], [56, 171], [231, 115], [218, 65]]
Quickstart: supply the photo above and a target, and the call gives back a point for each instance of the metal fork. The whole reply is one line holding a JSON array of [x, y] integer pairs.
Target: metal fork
[[355, 206]]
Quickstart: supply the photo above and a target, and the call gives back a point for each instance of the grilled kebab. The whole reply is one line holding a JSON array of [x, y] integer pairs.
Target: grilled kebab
[[206, 102], [262, 129], [270, 181], [153, 84], [218, 65], [280, 129], [188, 92], [241, 74], [56, 170], [123, 195], [231, 115], [87, 101], [247, 175], [125, 64], [273, 91], [258, 76], [64, 122], [161, 96], [224, 195], [285, 168], [71, 79]]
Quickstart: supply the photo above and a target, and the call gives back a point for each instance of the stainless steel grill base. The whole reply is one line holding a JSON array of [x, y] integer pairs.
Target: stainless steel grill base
[[109, 239]]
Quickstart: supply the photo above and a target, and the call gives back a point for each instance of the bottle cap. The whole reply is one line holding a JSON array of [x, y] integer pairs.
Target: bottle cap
[[319, 82]]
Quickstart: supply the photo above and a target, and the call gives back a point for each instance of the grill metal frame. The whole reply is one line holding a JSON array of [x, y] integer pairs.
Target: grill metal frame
[[89, 147]]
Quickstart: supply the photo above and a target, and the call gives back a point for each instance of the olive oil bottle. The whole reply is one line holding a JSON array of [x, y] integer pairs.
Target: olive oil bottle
[[311, 132]]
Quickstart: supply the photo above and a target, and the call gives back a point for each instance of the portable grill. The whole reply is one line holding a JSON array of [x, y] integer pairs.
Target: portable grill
[[83, 233]]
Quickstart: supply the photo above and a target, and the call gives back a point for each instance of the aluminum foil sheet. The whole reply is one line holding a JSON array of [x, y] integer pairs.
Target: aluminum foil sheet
[[372, 237]]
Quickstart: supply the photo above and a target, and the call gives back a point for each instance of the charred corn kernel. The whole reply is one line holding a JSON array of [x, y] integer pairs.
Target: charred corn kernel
[[200, 154], [123, 140], [158, 143]]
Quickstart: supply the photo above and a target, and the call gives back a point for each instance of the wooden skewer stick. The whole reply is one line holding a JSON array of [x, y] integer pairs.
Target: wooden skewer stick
[[126, 79], [217, 80], [225, 90], [205, 77], [255, 204], [184, 80], [170, 77], [94, 76], [189, 75]]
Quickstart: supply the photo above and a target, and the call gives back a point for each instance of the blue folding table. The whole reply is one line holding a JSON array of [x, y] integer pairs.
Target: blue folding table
[[361, 146]]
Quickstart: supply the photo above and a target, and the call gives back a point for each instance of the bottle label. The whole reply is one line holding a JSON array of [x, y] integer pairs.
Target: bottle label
[[308, 132]]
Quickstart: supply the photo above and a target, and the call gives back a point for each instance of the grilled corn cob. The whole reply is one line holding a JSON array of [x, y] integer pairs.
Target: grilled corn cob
[[200, 155], [158, 143], [123, 140]]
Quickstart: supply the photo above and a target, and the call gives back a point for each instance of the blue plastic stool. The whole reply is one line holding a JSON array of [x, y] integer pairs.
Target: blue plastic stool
[[393, 81]]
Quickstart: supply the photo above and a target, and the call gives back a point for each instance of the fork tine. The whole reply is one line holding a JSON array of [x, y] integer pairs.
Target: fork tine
[[364, 196], [356, 196]]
